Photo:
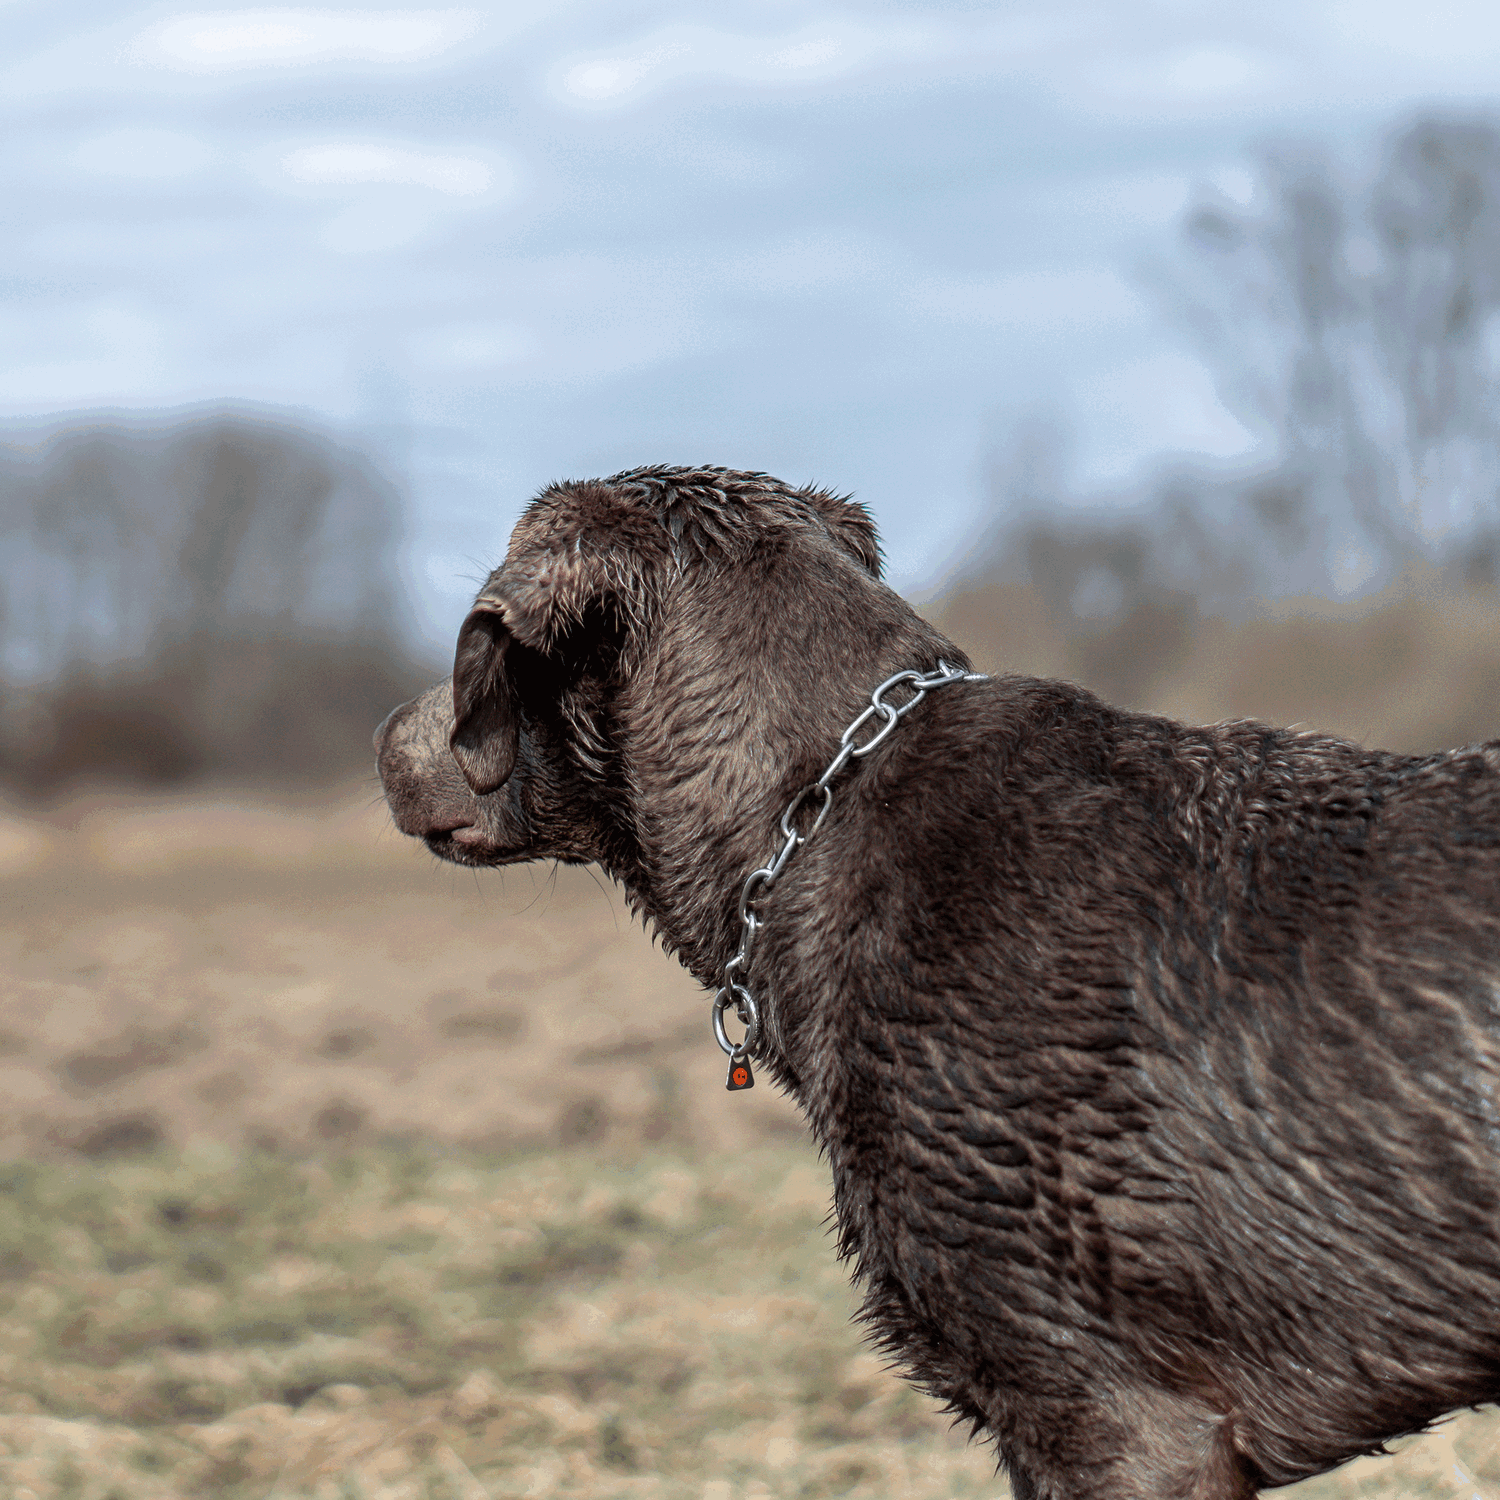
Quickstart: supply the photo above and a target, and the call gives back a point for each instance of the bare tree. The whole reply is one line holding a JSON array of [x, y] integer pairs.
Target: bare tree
[[1354, 332], [213, 596], [1353, 325]]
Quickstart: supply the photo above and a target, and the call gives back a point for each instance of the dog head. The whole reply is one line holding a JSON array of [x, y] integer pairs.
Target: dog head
[[635, 622]]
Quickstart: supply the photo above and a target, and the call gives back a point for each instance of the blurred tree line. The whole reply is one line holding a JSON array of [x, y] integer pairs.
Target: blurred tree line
[[215, 597], [209, 598], [1351, 320]]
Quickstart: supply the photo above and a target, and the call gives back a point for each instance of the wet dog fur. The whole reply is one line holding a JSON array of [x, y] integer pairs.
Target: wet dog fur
[[1157, 1066]]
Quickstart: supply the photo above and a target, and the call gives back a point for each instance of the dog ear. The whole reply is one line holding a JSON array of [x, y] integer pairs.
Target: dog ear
[[546, 601], [540, 607], [849, 524], [485, 739]]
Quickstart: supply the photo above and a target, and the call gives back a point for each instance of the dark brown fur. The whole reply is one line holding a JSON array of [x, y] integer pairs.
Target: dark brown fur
[[1157, 1066]]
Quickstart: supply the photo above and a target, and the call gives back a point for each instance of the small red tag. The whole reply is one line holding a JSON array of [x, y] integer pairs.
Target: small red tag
[[740, 1076]]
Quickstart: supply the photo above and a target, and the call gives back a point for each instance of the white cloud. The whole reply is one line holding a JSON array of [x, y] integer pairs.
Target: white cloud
[[1454, 31], [1215, 70], [686, 53], [608, 77], [470, 347], [218, 41], [1193, 79], [346, 163], [1086, 296], [143, 154], [402, 196], [811, 54], [373, 228], [1020, 43]]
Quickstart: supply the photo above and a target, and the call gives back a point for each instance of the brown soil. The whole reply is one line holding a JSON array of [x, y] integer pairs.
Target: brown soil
[[295, 978]]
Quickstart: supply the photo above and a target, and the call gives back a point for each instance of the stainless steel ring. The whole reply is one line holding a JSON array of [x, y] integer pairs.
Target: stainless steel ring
[[744, 1002]]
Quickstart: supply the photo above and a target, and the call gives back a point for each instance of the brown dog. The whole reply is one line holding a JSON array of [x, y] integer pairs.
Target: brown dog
[[1159, 1068]]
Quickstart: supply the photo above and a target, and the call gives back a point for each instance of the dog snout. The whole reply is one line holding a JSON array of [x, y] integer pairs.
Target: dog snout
[[427, 796], [413, 731], [384, 727]]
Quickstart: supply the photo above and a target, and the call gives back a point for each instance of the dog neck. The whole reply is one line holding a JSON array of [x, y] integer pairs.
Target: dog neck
[[800, 821], [719, 735]]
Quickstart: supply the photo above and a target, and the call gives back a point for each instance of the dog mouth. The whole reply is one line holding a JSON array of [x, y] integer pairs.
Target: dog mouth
[[464, 845]]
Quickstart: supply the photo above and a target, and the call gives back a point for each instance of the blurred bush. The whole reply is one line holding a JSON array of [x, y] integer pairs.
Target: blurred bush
[[1411, 670], [207, 598]]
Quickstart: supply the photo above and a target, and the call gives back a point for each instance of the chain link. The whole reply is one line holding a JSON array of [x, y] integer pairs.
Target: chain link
[[735, 989]]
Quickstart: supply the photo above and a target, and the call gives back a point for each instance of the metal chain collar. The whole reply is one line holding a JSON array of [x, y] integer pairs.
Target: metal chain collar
[[735, 989]]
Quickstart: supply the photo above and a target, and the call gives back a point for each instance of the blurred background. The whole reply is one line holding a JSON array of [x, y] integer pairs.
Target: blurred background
[[1150, 315], [1163, 341]]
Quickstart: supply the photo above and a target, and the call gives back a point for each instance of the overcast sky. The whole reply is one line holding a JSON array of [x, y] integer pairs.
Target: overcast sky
[[504, 244]]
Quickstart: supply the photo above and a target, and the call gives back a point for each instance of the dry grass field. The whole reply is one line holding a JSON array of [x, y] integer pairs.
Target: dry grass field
[[326, 1171]]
